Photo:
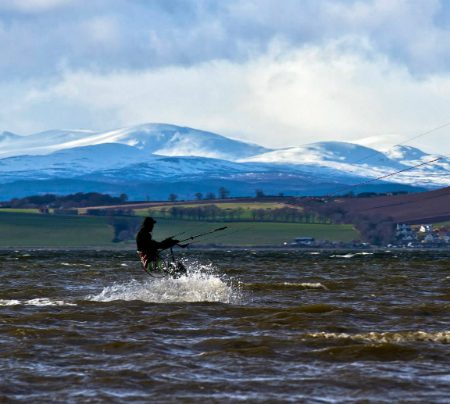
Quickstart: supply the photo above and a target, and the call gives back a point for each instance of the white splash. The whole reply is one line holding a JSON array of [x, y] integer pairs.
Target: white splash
[[41, 301], [196, 286]]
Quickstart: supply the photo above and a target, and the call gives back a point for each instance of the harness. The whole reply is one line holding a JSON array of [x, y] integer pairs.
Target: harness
[[160, 266]]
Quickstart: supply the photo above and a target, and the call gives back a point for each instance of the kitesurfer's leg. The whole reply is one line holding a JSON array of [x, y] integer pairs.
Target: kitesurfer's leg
[[157, 265], [144, 260]]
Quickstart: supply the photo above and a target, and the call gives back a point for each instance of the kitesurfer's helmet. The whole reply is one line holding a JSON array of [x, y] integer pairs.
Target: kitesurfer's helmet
[[148, 222]]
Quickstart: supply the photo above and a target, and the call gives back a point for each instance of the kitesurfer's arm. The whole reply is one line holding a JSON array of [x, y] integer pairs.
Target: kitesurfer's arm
[[168, 243]]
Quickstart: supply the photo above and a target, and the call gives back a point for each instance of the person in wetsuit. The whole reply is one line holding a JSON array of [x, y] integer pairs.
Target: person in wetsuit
[[147, 248]]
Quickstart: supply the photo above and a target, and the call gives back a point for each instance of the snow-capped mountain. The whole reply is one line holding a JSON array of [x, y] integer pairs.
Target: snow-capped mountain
[[70, 162], [39, 143], [118, 161], [8, 137], [430, 169], [153, 160], [340, 155], [365, 162], [405, 154], [153, 138]]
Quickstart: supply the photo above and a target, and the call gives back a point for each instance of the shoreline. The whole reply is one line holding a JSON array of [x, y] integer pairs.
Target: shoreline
[[225, 248]]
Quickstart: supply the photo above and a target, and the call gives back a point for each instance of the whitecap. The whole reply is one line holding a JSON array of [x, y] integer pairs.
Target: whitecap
[[9, 302], [307, 285], [388, 337], [350, 255], [68, 264], [41, 301], [343, 256]]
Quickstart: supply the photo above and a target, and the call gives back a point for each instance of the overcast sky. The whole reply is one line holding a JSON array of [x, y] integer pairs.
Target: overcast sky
[[275, 72]]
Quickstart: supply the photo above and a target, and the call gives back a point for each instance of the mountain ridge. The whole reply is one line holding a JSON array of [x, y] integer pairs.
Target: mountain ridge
[[164, 154]]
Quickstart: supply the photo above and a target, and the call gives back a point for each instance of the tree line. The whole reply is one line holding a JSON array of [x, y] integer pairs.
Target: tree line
[[214, 213], [376, 229], [77, 200], [223, 193]]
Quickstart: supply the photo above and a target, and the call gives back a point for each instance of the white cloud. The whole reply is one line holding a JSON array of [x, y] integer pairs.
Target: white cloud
[[139, 35], [283, 98]]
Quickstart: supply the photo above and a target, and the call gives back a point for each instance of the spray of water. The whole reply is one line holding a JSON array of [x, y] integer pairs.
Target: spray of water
[[201, 284]]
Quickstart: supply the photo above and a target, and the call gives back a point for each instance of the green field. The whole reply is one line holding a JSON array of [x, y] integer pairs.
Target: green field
[[245, 209], [12, 210], [33, 230], [256, 233], [442, 224], [221, 205]]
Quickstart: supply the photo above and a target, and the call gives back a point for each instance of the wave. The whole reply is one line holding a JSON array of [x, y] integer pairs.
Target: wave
[[387, 337], [350, 255], [196, 286], [41, 301], [270, 286], [307, 285]]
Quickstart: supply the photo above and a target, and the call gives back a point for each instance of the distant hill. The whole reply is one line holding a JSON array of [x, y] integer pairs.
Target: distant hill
[[418, 208]]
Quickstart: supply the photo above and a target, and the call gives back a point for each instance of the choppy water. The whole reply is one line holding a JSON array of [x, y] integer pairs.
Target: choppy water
[[257, 326]]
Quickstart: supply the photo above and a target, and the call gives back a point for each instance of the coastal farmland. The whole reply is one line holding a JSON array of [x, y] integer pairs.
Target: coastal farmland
[[20, 229], [256, 233], [36, 230]]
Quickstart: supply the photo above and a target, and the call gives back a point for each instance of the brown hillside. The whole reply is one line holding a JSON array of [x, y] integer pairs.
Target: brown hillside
[[423, 207]]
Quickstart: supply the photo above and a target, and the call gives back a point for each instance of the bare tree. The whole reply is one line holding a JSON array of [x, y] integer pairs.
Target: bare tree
[[223, 193], [259, 193]]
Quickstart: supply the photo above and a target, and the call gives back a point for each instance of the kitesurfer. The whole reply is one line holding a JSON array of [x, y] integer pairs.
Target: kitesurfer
[[149, 249]]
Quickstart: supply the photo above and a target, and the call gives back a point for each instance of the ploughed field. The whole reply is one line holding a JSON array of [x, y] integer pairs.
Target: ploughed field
[[247, 325]]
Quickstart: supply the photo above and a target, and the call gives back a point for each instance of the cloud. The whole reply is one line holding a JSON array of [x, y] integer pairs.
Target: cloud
[[141, 35], [278, 73], [279, 99]]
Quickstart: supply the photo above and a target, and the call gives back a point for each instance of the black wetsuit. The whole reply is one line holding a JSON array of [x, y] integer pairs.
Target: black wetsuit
[[145, 244]]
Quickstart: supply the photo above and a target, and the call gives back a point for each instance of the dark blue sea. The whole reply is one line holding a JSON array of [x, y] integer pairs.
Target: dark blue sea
[[242, 326]]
